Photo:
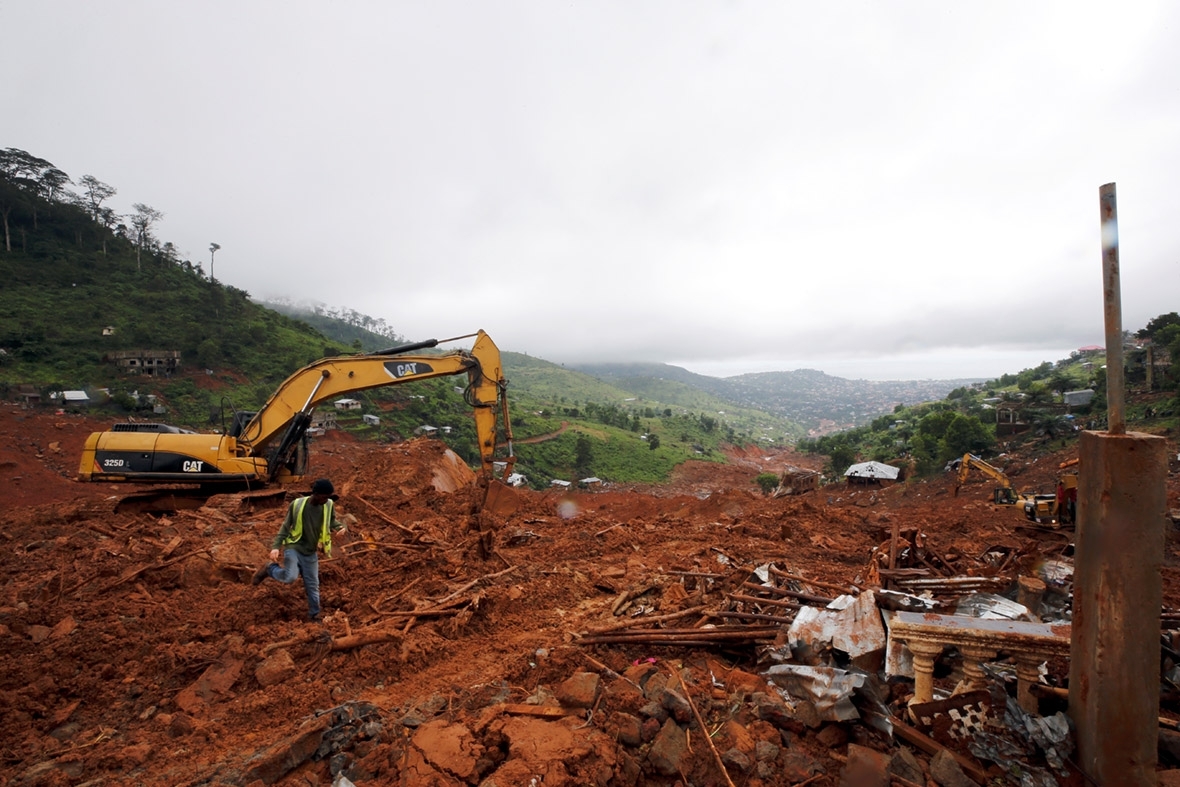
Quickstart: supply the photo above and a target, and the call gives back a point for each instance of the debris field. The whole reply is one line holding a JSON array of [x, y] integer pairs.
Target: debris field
[[695, 633]]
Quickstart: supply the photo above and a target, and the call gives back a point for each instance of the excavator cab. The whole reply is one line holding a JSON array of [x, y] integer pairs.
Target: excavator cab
[[1004, 496]]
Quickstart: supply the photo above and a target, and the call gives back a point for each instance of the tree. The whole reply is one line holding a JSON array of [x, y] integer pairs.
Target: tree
[[1059, 382], [841, 456], [213, 248], [94, 193], [142, 222], [653, 442], [1047, 425], [1157, 323], [766, 482], [965, 434], [18, 183], [53, 181], [583, 455]]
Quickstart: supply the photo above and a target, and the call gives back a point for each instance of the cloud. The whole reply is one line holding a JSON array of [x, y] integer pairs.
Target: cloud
[[725, 184]]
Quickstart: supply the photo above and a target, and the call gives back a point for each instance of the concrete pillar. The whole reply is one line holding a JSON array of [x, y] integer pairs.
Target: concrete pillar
[[1115, 649], [925, 654], [1028, 673], [1030, 591], [974, 657]]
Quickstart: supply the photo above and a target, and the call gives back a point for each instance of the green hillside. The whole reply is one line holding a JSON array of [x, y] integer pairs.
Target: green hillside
[[83, 285]]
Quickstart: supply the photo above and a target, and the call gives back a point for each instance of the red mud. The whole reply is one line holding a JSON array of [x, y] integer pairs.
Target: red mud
[[138, 652]]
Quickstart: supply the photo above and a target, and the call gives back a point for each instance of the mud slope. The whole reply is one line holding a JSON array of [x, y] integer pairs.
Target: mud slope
[[138, 652]]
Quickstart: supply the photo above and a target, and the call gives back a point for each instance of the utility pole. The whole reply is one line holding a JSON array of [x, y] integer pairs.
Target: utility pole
[[213, 247]]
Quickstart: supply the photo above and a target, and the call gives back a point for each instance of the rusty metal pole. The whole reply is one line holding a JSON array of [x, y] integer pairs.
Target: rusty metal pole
[[1118, 588], [1112, 302]]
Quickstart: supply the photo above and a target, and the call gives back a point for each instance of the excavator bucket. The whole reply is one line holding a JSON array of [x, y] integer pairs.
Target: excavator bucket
[[500, 499]]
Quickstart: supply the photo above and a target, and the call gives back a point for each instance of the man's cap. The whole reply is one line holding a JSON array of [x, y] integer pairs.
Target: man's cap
[[322, 487]]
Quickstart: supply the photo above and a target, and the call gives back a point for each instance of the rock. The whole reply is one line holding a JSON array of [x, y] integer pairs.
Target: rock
[[639, 674], [865, 768], [277, 760], [655, 686], [806, 712], [771, 708], [181, 725], [675, 703], [833, 736], [628, 772], [796, 766], [380, 760], [628, 729], [764, 751], [1169, 747], [765, 771], [64, 628], [668, 749], [448, 747], [739, 736], [214, 684], [736, 760], [654, 710], [579, 691], [906, 766], [136, 755], [650, 729], [275, 669], [945, 770]]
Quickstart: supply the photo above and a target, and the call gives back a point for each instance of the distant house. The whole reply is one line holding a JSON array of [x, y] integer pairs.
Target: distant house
[[1078, 398], [347, 404], [108, 331], [28, 394], [426, 429], [516, 479], [871, 473], [74, 398], [559, 482], [323, 420], [591, 481], [157, 363], [1091, 349], [370, 420]]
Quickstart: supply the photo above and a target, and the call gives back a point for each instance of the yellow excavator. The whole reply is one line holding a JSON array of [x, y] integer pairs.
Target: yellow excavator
[[270, 445], [1055, 509], [1003, 495]]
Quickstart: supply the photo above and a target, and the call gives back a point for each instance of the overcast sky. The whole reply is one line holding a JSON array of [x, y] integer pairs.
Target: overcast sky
[[880, 190]]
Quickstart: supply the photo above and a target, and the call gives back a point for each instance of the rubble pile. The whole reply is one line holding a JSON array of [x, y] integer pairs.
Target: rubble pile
[[696, 633]]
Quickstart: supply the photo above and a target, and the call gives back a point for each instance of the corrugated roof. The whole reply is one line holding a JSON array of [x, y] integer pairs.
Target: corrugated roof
[[872, 470]]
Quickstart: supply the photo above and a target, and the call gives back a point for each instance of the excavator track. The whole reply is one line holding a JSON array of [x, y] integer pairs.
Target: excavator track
[[171, 499], [161, 501]]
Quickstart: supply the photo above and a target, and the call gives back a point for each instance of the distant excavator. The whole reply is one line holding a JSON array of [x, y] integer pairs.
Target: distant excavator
[[1058, 509], [270, 446]]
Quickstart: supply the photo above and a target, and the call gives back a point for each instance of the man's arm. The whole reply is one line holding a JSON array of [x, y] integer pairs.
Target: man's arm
[[337, 525]]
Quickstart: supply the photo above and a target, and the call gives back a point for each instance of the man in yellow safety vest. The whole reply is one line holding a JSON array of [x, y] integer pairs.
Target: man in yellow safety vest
[[308, 528]]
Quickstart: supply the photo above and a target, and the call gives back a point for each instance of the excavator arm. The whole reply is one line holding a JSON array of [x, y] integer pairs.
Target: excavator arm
[[1004, 494], [265, 447], [275, 430]]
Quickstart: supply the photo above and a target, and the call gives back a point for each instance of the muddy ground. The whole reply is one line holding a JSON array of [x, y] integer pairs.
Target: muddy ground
[[137, 651]]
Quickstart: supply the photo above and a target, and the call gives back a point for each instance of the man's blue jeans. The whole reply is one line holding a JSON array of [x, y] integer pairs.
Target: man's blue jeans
[[307, 566]]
